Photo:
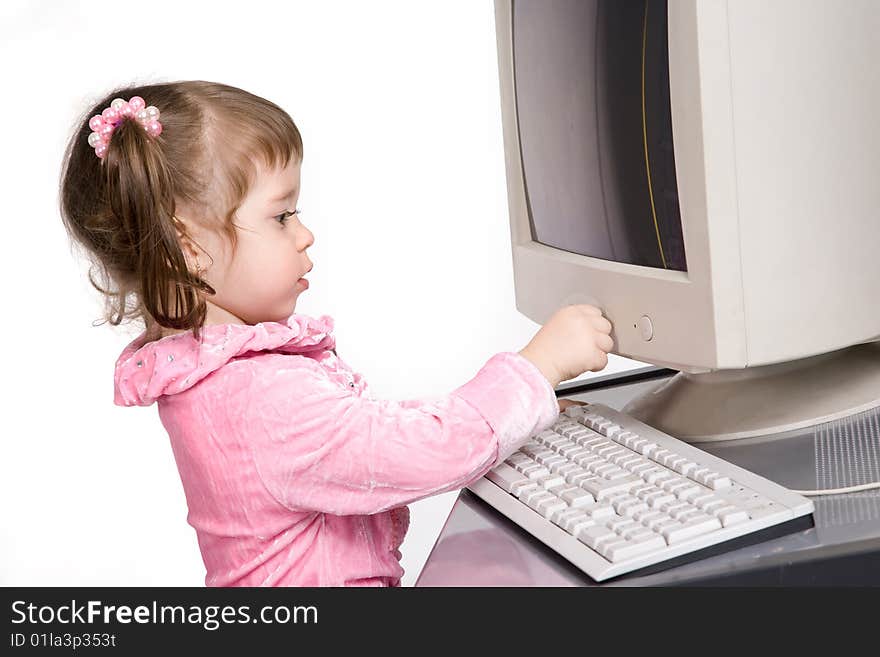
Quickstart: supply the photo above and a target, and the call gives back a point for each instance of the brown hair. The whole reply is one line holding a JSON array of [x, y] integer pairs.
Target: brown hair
[[121, 209]]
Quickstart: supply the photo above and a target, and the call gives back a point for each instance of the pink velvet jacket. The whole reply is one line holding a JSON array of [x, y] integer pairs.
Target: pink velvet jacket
[[294, 474]]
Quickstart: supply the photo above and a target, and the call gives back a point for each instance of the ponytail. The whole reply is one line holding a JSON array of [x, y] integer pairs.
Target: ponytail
[[140, 195]]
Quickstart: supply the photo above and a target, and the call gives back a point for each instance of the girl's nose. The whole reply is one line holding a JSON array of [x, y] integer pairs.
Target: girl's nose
[[307, 238]]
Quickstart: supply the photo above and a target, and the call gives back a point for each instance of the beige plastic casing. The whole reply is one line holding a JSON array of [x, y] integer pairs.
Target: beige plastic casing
[[777, 160]]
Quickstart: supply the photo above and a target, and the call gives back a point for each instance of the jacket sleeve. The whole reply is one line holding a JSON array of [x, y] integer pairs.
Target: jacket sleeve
[[320, 447]]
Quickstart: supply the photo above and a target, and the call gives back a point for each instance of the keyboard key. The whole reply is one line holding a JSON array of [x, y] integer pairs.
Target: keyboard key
[[520, 488], [533, 497], [644, 489], [671, 485], [574, 525], [660, 455], [548, 507], [558, 467], [550, 480], [638, 532], [682, 512], [642, 468], [717, 482], [602, 470], [565, 470], [520, 465], [563, 488], [554, 441], [674, 505], [576, 412], [628, 460], [691, 528], [634, 548], [660, 523], [579, 453], [579, 478], [731, 517], [647, 516], [612, 430], [647, 448], [713, 505], [535, 472], [599, 510], [547, 458], [568, 450], [505, 476], [517, 458], [617, 474], [585, 460], [620, 525], [595, 535], [655, 475], [685, 467], [700, 474], [590, 440], [601, 488], [574, 471], [666, 478], [555, 462], [570, 430], [628, 438], [602, 427], [619, 499], [630, 509], [525, 468], [578, 497], [659, 499], [689, 493], [592, 466], [706, 496], [564, 515]]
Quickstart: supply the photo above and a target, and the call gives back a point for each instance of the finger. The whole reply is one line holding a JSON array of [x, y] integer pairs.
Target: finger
[[591, 310], [601, 362], [605, 343], [602, 324]]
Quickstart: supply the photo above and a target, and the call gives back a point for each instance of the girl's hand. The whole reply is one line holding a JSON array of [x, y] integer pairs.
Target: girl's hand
[[576, 339]]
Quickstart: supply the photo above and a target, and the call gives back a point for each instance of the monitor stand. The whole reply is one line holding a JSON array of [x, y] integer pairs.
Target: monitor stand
[[763, 401]]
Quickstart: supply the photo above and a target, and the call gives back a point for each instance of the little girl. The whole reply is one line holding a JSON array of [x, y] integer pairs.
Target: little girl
[[184, 195]]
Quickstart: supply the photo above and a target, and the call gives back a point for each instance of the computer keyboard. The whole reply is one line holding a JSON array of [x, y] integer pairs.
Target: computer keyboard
[[613, 495]]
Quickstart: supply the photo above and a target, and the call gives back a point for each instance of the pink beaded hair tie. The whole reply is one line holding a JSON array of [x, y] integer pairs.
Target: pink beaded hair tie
[[105, 123]]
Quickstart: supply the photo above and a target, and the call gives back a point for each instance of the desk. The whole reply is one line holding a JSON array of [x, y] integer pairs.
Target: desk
[[478, 546]]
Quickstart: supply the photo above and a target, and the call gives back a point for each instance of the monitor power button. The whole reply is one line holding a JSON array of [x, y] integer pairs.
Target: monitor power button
[[646, 328]]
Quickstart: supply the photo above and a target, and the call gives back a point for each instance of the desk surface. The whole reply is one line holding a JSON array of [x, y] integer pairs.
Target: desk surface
[[479, 546]]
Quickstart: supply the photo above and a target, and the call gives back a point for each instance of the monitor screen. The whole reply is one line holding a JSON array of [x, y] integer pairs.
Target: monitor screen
[[595, 127]]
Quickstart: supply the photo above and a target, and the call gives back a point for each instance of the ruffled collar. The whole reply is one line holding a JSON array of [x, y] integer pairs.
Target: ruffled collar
[[147, 370]]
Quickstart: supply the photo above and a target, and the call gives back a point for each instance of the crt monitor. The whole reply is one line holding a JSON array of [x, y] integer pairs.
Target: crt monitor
[[707, 172]]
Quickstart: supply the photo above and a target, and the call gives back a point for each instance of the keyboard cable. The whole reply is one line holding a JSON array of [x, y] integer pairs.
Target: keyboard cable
[[836, 491]]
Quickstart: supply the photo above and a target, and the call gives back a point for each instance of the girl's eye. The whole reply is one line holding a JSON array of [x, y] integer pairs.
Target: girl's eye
[[281, 218]]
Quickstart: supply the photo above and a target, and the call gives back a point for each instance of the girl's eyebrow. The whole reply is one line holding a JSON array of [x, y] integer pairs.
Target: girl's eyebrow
[[284, 196]]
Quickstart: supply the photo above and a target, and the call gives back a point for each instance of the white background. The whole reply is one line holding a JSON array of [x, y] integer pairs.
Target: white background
[[402, 183]]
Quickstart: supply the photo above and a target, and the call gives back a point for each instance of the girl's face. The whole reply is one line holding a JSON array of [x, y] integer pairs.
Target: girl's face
[[263, 280]]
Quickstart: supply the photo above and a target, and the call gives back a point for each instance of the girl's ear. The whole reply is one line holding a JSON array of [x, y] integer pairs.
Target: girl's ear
[[187, 245]]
